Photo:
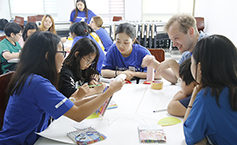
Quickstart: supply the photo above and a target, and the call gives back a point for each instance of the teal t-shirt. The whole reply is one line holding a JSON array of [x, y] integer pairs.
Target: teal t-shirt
[[5, 46]]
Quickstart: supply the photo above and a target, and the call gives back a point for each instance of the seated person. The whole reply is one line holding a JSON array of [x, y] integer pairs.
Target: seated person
[[30, 28], [125, 56], [47, 24], [82, 30], [9, 46], [179, 103], [78, 68], [96, 24]]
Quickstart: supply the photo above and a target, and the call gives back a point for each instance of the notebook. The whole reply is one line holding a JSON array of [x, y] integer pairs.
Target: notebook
[[151, 134]]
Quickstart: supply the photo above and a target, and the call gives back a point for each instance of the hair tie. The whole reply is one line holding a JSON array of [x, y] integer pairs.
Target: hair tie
[[86, 31]]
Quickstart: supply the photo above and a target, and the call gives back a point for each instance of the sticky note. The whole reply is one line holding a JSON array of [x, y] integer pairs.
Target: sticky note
[[92, 116]]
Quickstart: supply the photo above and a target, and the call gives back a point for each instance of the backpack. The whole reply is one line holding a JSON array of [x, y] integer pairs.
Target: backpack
[[3, 22]]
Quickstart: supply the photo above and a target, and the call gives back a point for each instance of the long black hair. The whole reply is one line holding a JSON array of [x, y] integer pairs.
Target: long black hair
[[28, 26], [84, 46], [33, 61], [217, 56], [128, 29], [77, 10]]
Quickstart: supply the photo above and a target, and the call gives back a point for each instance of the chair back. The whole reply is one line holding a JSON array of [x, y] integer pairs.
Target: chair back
[[31, 19], [19, 21], [4, 80], [200, 23], [158, 53], [117, 18]]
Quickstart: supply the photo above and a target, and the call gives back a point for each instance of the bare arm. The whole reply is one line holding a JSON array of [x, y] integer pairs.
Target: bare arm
[[175, 107], [78, 113], [7, 55]]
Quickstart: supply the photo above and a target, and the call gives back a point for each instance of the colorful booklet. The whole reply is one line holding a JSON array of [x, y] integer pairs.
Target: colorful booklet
[[86, 136], [151, 134], [101, 111], [112, 105]]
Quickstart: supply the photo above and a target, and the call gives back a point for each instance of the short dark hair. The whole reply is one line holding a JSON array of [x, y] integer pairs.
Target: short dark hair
[[185, 72], [33, 61], [12, 27], [28, 26]]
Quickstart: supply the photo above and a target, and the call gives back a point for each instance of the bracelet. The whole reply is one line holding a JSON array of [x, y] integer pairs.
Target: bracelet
[[190, 106]]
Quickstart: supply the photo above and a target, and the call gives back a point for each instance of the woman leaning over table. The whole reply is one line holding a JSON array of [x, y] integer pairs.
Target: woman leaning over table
[[33, 94], [212, 111], [81, 13]]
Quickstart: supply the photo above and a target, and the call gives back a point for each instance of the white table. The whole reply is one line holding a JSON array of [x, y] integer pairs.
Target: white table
[[136, 103]]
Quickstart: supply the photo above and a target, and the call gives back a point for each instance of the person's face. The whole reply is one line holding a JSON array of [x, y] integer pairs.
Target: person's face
[[124, 43], [87, 60], [195, 70], [47, 23], [80, 6], [182, 41], [59, 57], [16, 37], [92, 24], [30, 31], [187, 89]]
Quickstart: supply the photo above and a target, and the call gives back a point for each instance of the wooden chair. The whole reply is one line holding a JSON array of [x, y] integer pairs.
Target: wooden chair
[[158, 53], [117, 18], [4, 80], [19, 21], [2, 37], [39, 17], [200, 23], [31, 19]]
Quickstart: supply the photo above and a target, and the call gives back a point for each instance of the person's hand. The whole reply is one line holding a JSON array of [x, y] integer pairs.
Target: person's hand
[[129, 74], [116, 85], [148, 60], [82, 91], [194, 94], [64, 39], [93, 82], [100, 89], [162, 66]]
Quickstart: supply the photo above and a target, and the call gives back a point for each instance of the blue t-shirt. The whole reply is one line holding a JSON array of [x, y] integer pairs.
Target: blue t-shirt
[[81, 16], [30, 111], [188, 54], [105, 38], [115, 61], [102, 55], [185, 101], [208, 119]]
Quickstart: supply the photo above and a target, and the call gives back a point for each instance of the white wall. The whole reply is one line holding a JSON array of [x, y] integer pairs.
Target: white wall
[[64, 9], [4, 10], [133, 10], [220, 17]]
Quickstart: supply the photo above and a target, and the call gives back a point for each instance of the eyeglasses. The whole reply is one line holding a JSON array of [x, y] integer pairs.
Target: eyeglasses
[[63, 52], [88, 62]]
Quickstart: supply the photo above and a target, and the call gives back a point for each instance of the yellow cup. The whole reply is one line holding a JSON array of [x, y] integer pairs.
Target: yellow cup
[[157, 85]]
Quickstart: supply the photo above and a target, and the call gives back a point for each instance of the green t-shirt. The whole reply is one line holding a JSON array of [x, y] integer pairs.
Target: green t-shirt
[[5, 46]]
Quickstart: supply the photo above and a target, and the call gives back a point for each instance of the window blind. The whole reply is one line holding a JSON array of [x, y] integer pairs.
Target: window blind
[[162, 10], [24, 8], [107, 8]]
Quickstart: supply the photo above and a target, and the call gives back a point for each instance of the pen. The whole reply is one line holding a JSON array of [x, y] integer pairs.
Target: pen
[[159, 110], [90, 86]]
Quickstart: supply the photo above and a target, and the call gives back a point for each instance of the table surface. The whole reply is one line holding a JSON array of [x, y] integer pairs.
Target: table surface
[[136, 103]]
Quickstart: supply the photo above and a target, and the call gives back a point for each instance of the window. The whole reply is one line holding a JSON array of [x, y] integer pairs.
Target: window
[[162, 10], [26, 8], [106, 8]]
